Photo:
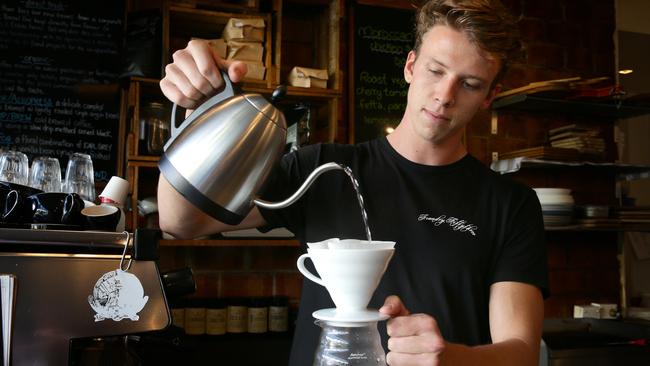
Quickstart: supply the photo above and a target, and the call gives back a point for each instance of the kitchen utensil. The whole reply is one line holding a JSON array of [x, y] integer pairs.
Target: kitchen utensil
[[350, 275], [221, 155]]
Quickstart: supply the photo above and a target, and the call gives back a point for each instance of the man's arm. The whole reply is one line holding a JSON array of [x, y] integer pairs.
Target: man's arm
[[516, 317], [183, 220]]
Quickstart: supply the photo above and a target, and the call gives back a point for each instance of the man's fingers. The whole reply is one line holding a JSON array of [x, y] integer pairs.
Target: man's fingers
[[175, 95], [195, 74], [180, 80], [415, 324], [396, 358], [236, 69], [190, 69], [430, 343], [207, 62], [393, 306]]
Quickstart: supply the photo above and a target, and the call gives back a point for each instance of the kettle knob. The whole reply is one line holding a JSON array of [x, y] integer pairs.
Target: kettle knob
[[278, 93]]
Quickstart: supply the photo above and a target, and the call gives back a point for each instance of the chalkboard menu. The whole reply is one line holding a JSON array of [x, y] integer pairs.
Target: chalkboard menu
[[58, 79], [383, 38]]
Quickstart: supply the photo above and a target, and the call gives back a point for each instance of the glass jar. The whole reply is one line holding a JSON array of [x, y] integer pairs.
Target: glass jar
[[237, 315], [178, 313], [279, 314], [351, 344], [215, 317], [156, 127], [258, 315], [195, 317]]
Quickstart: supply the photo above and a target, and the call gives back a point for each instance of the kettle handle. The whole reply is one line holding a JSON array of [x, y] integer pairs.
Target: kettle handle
[[228, 91]]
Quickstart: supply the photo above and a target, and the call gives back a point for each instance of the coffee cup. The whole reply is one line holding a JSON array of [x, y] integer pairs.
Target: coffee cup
[[44, 208], [6, 187], [101, 217], [350, 275]]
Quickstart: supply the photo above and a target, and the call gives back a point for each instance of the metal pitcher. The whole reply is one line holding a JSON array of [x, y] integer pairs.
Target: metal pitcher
[[221, 155]]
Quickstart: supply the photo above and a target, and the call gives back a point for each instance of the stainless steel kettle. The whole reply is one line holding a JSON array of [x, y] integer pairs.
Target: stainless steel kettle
[[222, 154]]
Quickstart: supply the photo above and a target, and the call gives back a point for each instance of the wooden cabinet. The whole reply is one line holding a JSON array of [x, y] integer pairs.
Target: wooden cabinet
[[297, 33]]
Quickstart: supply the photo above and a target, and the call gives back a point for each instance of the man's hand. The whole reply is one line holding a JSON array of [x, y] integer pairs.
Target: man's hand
[[195, 75], [413, 339]]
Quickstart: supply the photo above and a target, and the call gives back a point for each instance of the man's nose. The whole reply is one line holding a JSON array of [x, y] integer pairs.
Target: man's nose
[[446, 92]]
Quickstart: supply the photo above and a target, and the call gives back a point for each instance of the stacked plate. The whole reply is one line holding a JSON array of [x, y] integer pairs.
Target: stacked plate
[[557, 205]]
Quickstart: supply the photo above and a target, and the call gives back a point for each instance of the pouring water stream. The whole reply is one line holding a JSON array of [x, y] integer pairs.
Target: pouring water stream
[[308, 182]]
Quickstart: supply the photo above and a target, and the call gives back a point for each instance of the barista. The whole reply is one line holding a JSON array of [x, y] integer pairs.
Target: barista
[[467, 280]]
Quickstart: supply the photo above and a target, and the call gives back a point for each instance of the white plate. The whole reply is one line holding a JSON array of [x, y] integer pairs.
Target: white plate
[[349, 319], [552, 191]]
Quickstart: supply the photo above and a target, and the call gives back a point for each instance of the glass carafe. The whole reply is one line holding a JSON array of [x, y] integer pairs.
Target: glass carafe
[[349, 344]]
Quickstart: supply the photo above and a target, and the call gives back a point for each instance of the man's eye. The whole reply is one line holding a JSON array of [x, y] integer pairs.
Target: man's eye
[[470, 86], [436, 72]]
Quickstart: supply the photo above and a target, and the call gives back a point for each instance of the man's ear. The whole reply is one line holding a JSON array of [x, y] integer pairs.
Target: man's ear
[[408, 66], [490, 97]]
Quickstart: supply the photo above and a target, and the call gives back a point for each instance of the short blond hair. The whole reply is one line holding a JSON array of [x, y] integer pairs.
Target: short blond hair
[[487, 23]]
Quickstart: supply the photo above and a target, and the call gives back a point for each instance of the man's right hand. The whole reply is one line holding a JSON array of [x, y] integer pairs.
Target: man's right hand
[[195, 75]]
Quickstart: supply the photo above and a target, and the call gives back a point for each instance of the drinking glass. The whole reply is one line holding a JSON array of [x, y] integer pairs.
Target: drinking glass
[[45, 174], [80, 176], [14, 167]]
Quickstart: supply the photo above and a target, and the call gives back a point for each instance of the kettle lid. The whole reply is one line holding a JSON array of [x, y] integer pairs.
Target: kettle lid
[[266, 108]]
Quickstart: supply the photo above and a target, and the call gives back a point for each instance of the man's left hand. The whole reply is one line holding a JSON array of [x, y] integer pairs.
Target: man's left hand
[[413, 339]]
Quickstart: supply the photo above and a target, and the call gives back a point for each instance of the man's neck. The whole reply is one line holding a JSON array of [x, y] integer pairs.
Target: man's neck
[[425, 152]]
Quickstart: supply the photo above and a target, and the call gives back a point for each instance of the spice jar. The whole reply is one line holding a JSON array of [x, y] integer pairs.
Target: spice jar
[[195, 317], [258, 314], [237, 314], [279, 314], [215, 317], [178, 313]]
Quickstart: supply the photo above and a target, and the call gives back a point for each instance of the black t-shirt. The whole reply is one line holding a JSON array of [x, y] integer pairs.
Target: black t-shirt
[[458, 229]]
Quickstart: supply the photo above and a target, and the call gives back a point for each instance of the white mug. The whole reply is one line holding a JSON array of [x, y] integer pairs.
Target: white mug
[[350, 275]]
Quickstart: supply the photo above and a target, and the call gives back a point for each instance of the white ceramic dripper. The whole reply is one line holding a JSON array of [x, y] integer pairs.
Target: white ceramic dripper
[[350, 270]]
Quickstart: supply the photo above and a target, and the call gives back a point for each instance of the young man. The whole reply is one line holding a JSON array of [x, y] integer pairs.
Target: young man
[[470, 259]]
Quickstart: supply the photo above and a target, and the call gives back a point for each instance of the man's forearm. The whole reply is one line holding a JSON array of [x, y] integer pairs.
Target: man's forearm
[[514, 352]]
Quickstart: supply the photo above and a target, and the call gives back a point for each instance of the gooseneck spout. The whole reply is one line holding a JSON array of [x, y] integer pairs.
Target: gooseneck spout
[[303, 188], [308, 182]]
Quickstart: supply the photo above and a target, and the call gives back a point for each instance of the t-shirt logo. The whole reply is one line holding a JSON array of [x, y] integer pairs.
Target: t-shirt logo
[[455, 223]]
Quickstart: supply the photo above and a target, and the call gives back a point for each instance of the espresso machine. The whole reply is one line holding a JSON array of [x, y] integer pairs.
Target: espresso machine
[[60, 286]]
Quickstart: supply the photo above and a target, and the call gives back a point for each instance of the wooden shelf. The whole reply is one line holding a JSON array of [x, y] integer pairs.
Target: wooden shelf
[[144, 80], [620, 226], [143, 163], [600, 109], [625, 171], [143, 158], [255, 242]]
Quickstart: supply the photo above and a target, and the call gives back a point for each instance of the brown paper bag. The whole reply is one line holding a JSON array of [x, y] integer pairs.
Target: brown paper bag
[[244, 29], [308, 78]]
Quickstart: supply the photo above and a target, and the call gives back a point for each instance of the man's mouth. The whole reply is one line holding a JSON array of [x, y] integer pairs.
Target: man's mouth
[[436, 117]]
